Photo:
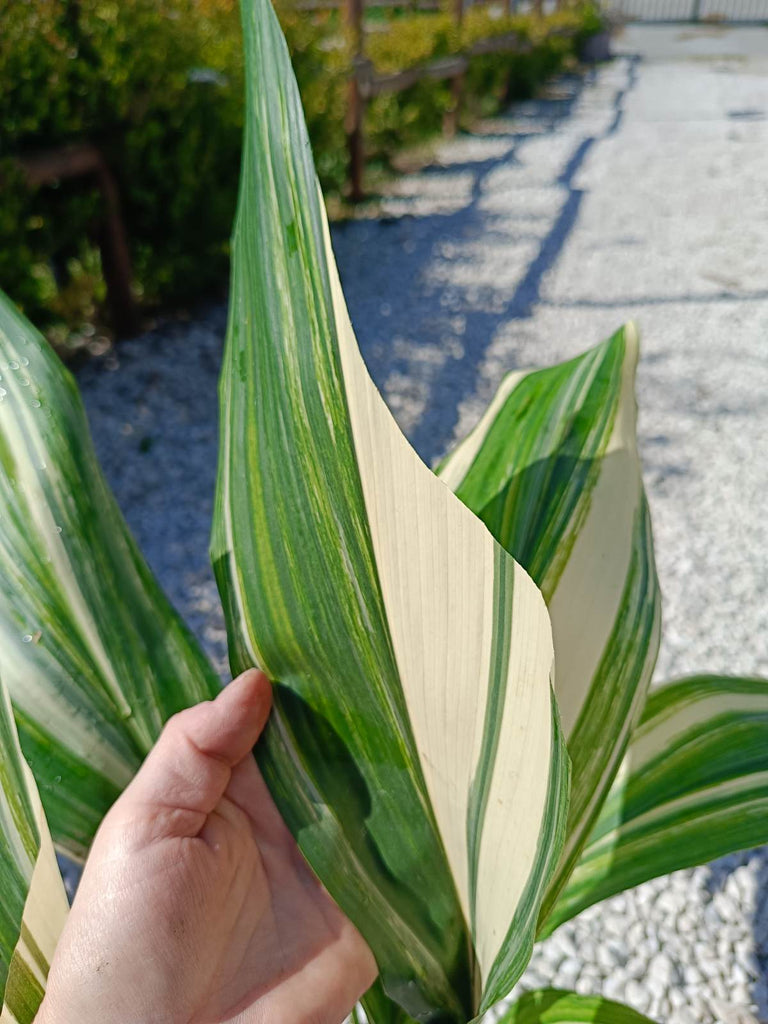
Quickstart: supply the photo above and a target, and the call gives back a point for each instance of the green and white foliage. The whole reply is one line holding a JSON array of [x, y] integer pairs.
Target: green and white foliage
[[552, 469], [693, 787], [552, 1006], [33, 906], [414, 749], [541, 1006], [93, 655]]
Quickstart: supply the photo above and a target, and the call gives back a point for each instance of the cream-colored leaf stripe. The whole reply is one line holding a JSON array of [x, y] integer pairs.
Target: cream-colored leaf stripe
[[93, 656], [552, 469], [33, 907], [693, 786], [415, 749]]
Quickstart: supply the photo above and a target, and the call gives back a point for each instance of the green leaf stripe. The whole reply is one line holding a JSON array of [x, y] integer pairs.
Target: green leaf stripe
[[693, 787], [553, 1006], [94, 657], [503, 585], [508, 968]]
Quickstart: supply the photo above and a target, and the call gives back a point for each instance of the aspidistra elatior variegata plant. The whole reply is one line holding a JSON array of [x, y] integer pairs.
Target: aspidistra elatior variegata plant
[[693, 786], [414, 748], [552, 469], [33, 904], [94, 657]]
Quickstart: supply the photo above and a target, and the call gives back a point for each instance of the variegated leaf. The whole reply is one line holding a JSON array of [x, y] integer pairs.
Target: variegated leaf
[[33, 906], [693, 787], [93, 655], [552, 1006], [414, 748], [552, 469]]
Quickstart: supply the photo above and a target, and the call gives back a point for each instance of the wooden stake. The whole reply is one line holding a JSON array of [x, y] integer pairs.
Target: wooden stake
[[353, 16], [74, 162], [451, 119]]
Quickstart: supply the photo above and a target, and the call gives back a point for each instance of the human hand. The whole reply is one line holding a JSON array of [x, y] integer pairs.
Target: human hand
[[195, 905]]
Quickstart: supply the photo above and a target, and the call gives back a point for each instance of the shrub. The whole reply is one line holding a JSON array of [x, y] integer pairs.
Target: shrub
[[157, 85], [394, 120]]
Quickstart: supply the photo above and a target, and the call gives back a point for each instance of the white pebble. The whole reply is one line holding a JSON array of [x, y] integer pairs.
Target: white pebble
[[636, 967], [692, 975], [685, 1015], [745, 957], [585, 986], [614, 986], [740, 995], [725, 907], [677, 998], [637, 995], [568, 972], [664, 971]]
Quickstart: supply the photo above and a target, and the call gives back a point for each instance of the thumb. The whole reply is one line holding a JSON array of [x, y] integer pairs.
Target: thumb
[[191, 764]]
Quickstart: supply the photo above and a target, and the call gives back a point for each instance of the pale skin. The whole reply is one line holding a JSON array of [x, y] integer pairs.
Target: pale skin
[[196, 906]]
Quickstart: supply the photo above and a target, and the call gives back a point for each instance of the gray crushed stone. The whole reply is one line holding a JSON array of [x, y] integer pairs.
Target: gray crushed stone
[[635, 192]]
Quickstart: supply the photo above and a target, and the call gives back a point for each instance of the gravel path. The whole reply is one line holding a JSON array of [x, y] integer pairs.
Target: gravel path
[[637, 192]]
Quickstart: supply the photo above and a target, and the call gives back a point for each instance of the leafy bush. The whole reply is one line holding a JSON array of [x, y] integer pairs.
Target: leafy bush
[[413, 40], [394, 120], [157, 85]]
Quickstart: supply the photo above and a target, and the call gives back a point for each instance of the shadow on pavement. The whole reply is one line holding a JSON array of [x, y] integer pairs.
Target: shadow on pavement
[[462, 320]]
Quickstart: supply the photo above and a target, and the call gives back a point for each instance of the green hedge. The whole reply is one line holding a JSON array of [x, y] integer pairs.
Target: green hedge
[[149, 82], [157, 85]]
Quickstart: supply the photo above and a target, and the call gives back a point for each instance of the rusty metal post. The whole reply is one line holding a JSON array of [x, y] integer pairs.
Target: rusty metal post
[[353, 14]]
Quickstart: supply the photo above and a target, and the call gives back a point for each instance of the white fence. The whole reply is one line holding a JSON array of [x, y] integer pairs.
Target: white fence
[[744, 11]]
